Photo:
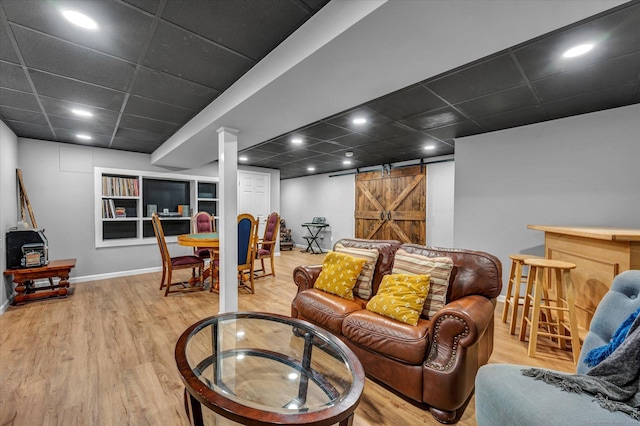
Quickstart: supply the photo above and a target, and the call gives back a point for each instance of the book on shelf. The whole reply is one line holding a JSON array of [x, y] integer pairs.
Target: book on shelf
[[113, 186]]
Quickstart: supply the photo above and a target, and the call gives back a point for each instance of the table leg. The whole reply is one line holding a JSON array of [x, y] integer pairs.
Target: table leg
[[21, 289], [348, 421], [194, 409]]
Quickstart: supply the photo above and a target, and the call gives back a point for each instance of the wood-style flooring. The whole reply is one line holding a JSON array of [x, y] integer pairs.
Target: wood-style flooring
[[105, 355]]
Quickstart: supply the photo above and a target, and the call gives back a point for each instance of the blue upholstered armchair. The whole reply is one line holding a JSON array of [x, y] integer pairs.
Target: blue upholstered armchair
[[506, 397]]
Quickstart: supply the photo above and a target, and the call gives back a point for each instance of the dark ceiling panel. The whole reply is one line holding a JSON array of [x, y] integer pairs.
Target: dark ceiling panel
[[23, 115], [507, 100], [148, 125], [592, 78], [353, 140], [388, 130], [136, 135], [12, 77], [323, 131], [22, 100], [592, 101], [63, 109], [30, 130], [149, 5], [69, 136], [173, 50], [434, 119], [84, 126], [167, 88], [70, 90], [248, 27], [7, 52], [157, 110], [345, 120], [458, 130], [407, 102], [43, 53], [508, 119], [121, 32], [490, 75]]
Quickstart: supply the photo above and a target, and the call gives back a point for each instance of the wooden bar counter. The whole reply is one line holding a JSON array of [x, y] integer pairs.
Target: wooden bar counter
[[599, 253]]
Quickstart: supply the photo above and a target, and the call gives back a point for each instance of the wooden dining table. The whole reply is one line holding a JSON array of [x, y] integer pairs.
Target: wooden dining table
[[208, 240]]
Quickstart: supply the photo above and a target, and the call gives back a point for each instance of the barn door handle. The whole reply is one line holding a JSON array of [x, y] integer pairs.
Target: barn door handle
[[389, 215], [382, 216]]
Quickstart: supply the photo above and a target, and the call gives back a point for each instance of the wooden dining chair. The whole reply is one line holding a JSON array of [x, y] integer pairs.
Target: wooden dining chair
[[202, 222], [169, 264], [247, 237], [266, 246]]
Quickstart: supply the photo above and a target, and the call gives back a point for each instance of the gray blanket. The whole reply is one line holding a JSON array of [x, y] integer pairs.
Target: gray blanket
[[615, 382]]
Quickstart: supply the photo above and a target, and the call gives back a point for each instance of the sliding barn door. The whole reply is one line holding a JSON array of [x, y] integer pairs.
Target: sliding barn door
[[391, 205]]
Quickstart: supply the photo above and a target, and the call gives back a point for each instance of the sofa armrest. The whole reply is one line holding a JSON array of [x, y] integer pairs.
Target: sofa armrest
[[461, 337], [305, 276]]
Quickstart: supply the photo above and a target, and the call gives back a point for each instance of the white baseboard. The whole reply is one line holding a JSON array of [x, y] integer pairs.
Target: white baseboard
[[6, 305], [118, 274]]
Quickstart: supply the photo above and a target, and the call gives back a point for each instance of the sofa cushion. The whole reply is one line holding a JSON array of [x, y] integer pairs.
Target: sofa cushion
[[339, 274], [401, 297], [439, 268], [325, 309], [388, 337], [364, 283]]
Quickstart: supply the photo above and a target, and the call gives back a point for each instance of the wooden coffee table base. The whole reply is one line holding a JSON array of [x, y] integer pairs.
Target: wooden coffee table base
[[25, 286]]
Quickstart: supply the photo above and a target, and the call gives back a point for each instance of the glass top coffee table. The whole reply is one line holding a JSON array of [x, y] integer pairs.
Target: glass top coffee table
[[258, 368]]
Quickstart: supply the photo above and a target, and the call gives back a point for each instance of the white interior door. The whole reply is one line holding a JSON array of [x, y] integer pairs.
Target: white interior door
[[254, 196]]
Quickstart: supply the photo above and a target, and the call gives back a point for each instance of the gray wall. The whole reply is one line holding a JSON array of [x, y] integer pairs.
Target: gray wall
[[60, 182], [582, 170], [8, 202]]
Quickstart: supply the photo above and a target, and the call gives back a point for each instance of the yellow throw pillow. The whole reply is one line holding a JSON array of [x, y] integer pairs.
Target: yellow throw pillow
[[364, 283], [339, 274], [401, 297]]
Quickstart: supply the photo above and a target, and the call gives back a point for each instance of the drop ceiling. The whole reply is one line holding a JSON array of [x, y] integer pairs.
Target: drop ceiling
[[162, 63]]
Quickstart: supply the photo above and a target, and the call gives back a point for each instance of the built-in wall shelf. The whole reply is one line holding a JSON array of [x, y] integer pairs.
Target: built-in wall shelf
[[126, 199]]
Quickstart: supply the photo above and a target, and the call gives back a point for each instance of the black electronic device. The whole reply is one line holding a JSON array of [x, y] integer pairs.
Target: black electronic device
[[27, 248], [319, 220]]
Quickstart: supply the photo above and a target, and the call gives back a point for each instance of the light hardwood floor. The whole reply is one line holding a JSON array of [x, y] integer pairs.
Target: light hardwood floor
[[105, 355]]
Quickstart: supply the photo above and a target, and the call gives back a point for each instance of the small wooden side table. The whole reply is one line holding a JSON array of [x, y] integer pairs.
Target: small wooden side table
[[24, 279]]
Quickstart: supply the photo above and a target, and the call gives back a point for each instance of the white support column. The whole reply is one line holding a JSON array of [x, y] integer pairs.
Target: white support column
[[228, 231]]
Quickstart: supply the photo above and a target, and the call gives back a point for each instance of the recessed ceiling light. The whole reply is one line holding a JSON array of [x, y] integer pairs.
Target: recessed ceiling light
[[348, 154], [296, 140], [77, 18], [359, 120], [346, 162], [430, 147], [577, 50], [243, 158], [83, 136], [311, 169], [82, 112]]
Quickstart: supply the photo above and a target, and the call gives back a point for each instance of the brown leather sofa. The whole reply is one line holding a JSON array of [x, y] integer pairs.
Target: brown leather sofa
[[434, 364]]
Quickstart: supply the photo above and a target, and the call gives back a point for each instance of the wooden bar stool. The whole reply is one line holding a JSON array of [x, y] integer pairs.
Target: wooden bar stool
[[539, 270], [512, 296]]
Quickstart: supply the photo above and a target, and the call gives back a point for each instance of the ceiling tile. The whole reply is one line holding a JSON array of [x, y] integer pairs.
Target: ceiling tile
[[149, 5], [12, 77], [458, 130], [29, 130], [407, 102], [593, 101], [592, 78], [7, 52], [69, 136], [415, 140], [254, 154], [507, 100], [508, 119], [81, 126], [324, 147], [122, 29], [23, 115], [323, 131], [172, 51], [22, 100], [434, 119], [137, 135], [252, 28], [75, 91], [167, 88], [149, 108], [614, 34], [63, 109], [148, 125], [388, 130], [134, 145], [491, 75], [353, 139], [43, 53]]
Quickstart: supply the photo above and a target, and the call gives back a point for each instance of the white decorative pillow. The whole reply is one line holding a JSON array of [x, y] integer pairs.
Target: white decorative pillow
[[364, 285], [438, 268]]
